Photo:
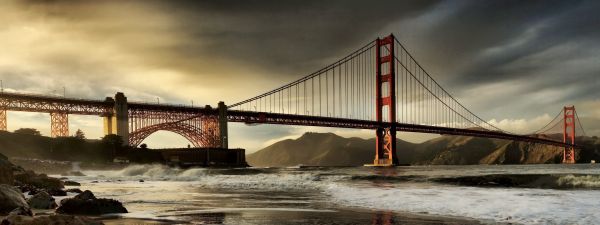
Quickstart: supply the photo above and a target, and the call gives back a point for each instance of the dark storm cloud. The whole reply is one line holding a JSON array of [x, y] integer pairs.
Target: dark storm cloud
[[499, 23], [287, 37]]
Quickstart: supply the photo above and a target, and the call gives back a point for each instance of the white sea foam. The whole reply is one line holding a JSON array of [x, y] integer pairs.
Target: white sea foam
[[261, 181], [585, 181], [527, 206], [151, 172]]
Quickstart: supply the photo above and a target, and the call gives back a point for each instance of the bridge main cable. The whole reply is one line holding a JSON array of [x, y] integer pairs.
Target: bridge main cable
[[347, 58]]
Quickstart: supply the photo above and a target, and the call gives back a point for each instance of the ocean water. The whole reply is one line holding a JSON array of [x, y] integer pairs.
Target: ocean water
[[482, 194]]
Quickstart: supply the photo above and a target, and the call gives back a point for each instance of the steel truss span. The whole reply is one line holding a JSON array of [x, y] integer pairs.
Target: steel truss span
[[198, 126], [52, 104]]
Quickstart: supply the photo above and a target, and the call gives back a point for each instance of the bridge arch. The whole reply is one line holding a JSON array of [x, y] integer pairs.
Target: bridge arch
[[195, 135]]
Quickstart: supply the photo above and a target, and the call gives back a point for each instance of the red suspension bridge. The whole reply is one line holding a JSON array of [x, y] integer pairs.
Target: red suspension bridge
[[380, 87]]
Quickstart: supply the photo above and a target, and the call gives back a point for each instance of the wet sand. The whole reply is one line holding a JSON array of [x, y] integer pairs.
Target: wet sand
[[268, 217]]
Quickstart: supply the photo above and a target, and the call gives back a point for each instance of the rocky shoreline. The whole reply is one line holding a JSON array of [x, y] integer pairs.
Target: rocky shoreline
[[22, 191]]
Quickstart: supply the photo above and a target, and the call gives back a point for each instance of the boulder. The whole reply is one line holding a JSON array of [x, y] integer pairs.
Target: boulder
[[41, 181], [21, 211], [56, 192], [25, 188], [42, 200], [6, 171], [74, 190], [87, 204], [51, 191], [86, 195], [10, 199], [49, 219], [71, 183]]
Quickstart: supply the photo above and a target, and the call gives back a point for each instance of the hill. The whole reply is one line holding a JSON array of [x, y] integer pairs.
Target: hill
[[327, 149]]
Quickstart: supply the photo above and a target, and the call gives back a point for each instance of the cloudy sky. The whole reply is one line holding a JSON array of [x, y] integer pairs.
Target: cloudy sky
[[514, 63]]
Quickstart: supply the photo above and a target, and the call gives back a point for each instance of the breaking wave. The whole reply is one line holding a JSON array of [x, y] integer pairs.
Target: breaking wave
[[544, 181], [244, 179], [282, 178], [580, 181]]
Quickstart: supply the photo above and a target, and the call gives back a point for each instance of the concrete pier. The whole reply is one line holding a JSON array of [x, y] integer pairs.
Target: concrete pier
[[204, 157]]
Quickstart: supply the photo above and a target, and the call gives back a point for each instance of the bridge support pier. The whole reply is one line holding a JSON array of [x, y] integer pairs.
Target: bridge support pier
[[59, 124], [109, 125], [385, 150], [223, 125], [569, 134], [118, 122], [3, 126]]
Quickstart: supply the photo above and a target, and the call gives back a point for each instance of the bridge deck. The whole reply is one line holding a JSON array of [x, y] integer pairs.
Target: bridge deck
[[48, 104]]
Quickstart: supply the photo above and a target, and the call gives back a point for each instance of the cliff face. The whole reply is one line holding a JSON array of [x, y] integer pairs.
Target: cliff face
[[327, 149]]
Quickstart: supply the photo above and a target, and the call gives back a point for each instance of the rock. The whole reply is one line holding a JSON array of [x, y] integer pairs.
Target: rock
[[141, 181], [25, 187], [71, 183], [38, 180], [74, 190], [87, 204], [42, 200], [86, 195], [10, 199], [56, 192], [21, 211], [33, 191], [6, 171], [49, 219]]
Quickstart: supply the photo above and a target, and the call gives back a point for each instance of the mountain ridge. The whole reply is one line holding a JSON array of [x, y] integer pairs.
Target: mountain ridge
[[328, 149]]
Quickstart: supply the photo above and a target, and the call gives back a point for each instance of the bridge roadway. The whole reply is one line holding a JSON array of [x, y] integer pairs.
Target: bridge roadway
[[50, 104]]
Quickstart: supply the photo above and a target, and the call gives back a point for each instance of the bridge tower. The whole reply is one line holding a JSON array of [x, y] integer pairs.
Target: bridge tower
[[569, 133], [385, 103], [118, 122]]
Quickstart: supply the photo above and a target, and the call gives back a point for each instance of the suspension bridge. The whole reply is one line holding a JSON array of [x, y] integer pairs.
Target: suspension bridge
[[379, 87]]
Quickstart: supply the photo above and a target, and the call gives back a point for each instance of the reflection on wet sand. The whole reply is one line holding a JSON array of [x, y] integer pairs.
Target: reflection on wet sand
[[383, 218]]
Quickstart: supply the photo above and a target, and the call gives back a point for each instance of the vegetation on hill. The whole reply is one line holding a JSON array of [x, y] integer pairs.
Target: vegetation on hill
[[28, 143]]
